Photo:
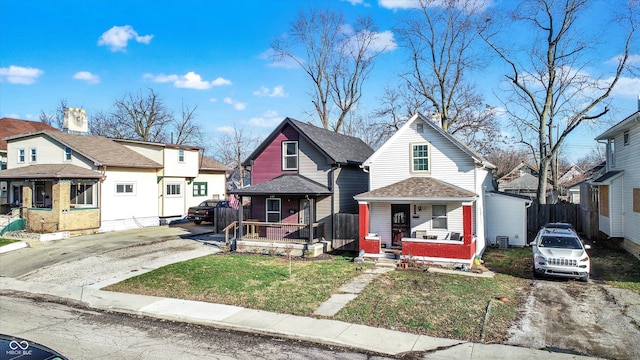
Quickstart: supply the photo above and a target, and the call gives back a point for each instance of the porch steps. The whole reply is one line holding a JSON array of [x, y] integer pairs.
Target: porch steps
[[386, 262]]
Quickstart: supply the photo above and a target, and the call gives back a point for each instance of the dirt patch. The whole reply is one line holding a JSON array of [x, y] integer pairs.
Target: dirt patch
[[575, 317]]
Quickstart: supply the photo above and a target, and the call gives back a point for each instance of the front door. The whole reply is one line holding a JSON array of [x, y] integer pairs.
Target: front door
[[400, 226]]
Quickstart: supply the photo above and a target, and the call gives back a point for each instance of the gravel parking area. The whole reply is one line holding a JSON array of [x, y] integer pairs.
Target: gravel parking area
[[584, 318], [116, 265]]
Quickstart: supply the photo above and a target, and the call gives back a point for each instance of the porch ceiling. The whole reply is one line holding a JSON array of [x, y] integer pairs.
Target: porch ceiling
[[49, 171], [285, 185], [418, 189]]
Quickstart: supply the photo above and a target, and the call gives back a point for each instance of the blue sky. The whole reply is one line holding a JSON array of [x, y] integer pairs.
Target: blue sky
[[212, 54]]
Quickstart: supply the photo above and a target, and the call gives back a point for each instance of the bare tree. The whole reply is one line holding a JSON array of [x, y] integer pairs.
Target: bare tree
[[186, 130], [55, 119], [506, 159], [440, 37], [233, 147], [552, 93], [336, 58], [142, 116]]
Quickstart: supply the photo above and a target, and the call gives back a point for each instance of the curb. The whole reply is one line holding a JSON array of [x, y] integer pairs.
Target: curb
[[13, 246]]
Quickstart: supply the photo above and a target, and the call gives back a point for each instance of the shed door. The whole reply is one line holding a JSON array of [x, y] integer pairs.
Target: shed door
[[400, 226]]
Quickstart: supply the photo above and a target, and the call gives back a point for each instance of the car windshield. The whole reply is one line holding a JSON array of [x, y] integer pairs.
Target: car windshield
[[560, 242], [208, 203]]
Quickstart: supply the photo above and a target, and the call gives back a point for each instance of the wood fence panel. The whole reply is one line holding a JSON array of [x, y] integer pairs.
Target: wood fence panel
[[540, 214], [346, 232], [225, 216]]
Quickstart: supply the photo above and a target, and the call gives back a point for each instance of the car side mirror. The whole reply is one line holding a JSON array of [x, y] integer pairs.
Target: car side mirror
[[533, 243], [587, 247]]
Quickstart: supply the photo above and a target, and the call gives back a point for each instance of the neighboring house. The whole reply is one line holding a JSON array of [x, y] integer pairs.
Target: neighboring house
[[302, 174], [69, 181], [619, 187], [523, 180], [10, 127], [186, 178], [427, 197]]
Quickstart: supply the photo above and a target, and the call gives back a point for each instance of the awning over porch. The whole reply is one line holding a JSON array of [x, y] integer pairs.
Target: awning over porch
[[285, 185], [418, 189], [49, 171]]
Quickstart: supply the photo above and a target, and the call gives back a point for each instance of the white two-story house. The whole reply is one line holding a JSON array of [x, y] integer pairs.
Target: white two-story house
[[619, 187]]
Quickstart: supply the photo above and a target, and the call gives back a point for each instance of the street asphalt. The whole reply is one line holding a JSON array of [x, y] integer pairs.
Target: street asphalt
[[319, 330]]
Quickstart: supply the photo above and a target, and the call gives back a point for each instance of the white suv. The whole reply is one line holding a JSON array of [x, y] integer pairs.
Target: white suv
[[559, 252]]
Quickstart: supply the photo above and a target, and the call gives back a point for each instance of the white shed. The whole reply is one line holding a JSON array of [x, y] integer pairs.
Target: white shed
[[506, 215]]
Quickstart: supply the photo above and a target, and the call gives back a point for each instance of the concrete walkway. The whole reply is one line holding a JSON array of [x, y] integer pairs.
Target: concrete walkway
[[323, 331]]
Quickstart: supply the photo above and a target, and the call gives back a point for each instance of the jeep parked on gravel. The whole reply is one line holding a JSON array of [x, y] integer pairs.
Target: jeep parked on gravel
[[558, 251]]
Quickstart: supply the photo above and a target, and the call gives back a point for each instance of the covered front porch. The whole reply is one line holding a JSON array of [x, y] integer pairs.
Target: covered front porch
[[283, 217], [423, 219], [55, 198]]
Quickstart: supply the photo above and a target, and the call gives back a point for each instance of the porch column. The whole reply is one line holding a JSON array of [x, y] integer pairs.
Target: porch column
[[467, 222], [311, 217], [363, 210], [240, 213]]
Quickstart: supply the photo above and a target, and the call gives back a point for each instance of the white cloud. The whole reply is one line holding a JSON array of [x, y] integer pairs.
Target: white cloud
[[20, 75], [213, 100], [118, 37], [235, 103], [271, 113], [87, 76], [226, 130], [277, 91], [190, 80], [220, 81], [634, 59], [626, 87], [384, 41], [264, 122], [357, 2], [285, 62]]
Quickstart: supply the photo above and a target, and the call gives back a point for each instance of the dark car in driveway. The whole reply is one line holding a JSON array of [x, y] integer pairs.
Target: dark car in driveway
[[206, 210]]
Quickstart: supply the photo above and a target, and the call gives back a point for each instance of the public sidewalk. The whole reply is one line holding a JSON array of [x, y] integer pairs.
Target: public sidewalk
[[329, 332]]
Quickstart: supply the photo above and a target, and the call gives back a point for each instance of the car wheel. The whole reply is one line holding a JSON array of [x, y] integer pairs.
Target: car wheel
[[197, 222], [535, 274]]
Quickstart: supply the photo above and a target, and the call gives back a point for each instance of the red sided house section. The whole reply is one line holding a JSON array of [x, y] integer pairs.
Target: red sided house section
[[427, 219]]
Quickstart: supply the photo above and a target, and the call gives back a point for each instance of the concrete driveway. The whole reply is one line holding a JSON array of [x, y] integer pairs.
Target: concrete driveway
[[41, 255]]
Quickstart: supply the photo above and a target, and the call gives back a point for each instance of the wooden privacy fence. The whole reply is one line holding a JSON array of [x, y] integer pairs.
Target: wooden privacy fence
[[540, 214], [346, 232], [225, 216]]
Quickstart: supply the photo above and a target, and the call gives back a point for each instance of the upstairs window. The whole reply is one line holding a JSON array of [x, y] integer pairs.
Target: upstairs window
[[34, 155], [419, 158], [273, 210], [67, 153], [625, 137], [290, 155], [181, 155], [21, 155]]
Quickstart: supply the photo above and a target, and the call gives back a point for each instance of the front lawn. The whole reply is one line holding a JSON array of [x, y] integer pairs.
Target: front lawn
[[251, 281], [614, 265]]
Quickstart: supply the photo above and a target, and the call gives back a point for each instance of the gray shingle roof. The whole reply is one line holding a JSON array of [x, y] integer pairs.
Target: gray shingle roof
[[340, 148], [285, 184], [50, 171], [418, 188], [207, 163]]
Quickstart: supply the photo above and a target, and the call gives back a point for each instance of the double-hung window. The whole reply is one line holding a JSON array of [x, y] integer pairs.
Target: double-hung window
[[181, 155], [21, 155], [289, 155], [34, 155], [67, 153], [273, 210], [439, 216], [82, 194], [199, 189], [420, 158]]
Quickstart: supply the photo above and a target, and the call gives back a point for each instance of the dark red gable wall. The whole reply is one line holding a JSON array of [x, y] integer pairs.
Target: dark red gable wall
[[268, 164]]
